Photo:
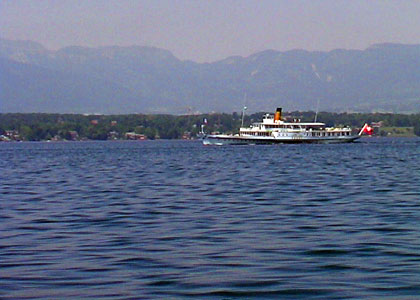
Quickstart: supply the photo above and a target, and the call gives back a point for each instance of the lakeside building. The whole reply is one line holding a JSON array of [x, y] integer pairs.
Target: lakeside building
[[135, 136]]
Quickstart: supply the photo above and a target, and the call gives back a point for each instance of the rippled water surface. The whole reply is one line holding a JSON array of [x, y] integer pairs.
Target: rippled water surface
[[178, 220]]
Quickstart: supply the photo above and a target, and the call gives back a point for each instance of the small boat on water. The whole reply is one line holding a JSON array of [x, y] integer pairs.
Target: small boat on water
[[273, 130]]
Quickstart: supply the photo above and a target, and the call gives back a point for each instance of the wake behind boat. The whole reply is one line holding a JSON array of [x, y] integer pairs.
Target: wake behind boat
[[273, 129]]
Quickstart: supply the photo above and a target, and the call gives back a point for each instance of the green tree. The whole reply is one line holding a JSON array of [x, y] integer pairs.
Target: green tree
[[26, 133], [150, 133]]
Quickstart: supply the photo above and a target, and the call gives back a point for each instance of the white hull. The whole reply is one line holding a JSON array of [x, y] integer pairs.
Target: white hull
[[242, 140]]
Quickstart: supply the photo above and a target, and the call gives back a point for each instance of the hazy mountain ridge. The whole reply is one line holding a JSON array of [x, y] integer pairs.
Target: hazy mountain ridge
[[113, 79]]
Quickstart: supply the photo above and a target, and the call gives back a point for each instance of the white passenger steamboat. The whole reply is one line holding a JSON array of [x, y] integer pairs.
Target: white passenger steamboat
[[273, 129]]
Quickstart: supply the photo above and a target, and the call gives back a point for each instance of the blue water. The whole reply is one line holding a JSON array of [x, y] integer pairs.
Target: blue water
[[178, 220]]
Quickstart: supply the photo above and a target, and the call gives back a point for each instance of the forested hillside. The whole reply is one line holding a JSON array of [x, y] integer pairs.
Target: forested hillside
[[36, 127]]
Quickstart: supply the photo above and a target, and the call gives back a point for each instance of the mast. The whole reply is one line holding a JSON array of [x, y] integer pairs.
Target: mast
[[317, 108], [243, 111], [243, 115]]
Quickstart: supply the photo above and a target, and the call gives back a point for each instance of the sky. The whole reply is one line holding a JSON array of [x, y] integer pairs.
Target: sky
[[210, 30]]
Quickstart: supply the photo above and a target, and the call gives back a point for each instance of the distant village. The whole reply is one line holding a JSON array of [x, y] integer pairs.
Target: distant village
[[73, 135], [96, 129]]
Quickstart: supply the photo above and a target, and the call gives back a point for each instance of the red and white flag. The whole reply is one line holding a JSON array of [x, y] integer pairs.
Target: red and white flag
[[366, 129]]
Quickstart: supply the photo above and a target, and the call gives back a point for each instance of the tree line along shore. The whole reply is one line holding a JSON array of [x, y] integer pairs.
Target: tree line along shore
[[61, 127]]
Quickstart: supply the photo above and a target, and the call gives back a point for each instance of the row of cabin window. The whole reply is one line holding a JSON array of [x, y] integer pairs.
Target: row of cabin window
[[331, 133], [260, 133], [282, 126]]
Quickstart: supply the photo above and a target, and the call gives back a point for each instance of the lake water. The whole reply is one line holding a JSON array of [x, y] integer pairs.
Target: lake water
[[178, 220]]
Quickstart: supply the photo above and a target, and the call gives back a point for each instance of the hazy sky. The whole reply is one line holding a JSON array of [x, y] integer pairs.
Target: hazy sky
[[208, 30]]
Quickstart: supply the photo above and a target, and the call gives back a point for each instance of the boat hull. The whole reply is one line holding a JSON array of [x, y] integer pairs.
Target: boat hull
[[241, 140]]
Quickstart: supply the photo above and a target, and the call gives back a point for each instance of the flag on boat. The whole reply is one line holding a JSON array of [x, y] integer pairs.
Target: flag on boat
[[366, 129]]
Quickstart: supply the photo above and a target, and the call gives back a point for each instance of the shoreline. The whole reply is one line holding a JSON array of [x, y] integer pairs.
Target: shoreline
[[183, 140]]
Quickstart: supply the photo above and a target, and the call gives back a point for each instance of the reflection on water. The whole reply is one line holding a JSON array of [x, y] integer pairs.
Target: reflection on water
[[172, 219]]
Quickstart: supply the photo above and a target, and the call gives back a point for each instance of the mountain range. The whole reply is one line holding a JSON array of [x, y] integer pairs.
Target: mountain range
[[117, 80]]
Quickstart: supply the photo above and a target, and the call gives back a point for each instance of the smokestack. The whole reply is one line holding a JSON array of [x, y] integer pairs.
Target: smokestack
[[277, 116]]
